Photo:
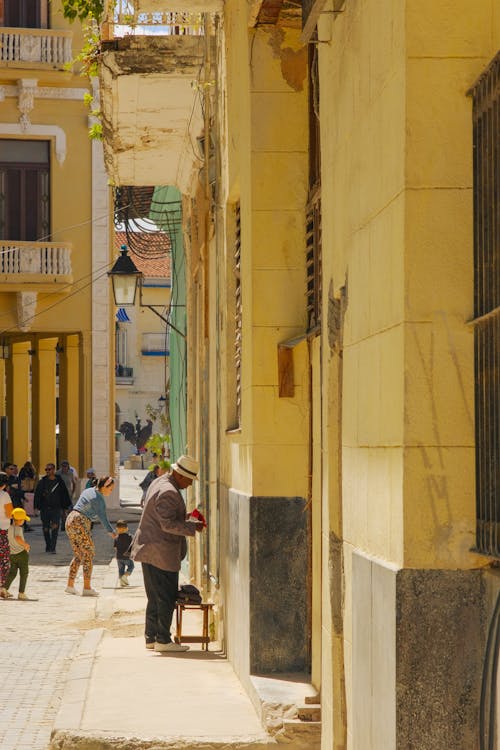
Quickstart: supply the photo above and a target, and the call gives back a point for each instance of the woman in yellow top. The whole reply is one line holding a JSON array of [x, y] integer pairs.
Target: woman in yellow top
[[5, 511]]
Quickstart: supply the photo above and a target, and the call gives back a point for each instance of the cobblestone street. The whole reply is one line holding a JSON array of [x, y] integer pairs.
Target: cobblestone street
[[38, 638]]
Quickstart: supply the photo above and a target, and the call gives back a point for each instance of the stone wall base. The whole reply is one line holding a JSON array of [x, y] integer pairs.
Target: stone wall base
[[418, 643]]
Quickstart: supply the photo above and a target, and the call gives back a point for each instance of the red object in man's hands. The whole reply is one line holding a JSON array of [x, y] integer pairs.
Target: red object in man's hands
[[195, 515]]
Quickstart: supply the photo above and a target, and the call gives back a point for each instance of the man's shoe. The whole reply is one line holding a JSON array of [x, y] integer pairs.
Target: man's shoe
[[53, 552], [90, 592], [22, 597], [150, 645], [166, 647], [70, 590], [4, 594], [124, 580]]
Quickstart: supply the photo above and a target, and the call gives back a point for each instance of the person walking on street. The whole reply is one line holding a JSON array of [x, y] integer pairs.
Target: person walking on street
[[122, 545], [14, 485], [153, 474], [51, 499], [91, 475], [90, 507], [160, 545], [19, 553], [69, 480], [5, 511]]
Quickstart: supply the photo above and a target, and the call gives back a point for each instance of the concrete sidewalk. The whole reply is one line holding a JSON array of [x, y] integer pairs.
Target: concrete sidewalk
[[121, 695]]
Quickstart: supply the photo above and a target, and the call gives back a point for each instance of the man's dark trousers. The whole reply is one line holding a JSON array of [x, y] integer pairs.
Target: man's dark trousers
[[51, 518], [161, 590]]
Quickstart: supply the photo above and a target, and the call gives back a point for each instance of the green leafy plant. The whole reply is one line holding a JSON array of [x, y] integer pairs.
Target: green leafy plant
[[158, 444], [83, 9], [89, 56]]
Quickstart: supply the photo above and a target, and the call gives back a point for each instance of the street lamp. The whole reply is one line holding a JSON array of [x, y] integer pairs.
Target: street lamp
[[125, 278]]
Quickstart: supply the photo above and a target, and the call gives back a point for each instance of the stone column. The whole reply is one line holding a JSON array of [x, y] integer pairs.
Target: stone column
[[44, 402], [18, 393], [69, 401]]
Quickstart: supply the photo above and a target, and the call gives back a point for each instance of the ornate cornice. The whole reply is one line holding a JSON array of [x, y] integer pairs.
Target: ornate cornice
[[47, 92]]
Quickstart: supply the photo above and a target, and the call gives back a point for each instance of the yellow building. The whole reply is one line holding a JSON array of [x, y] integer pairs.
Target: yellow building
[[339, 168], [56, 379]]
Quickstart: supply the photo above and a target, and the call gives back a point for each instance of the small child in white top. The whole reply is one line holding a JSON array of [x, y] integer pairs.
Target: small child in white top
[[19, 553]]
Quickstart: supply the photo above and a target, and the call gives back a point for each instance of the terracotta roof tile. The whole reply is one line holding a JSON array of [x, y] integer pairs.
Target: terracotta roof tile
[[158, 267]]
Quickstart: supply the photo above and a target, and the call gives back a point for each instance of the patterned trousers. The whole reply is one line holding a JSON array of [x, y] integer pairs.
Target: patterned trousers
[[78, 532]]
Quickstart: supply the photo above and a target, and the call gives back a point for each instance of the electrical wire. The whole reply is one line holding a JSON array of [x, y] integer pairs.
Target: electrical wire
[[60, 289], [50, 307]]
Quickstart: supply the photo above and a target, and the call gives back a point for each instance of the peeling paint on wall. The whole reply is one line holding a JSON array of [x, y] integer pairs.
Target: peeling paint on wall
[[293, 61]]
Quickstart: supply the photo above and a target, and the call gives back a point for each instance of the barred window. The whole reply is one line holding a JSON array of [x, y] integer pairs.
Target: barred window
[[237, 311], [313, 208], [486, 141], [234, 317]]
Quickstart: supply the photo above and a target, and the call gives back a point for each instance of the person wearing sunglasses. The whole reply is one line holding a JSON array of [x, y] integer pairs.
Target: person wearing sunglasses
[[52, 500], [90, 507]]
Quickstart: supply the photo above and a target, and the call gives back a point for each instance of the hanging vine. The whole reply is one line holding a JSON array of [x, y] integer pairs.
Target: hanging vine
[[90, 11], [83, 9]]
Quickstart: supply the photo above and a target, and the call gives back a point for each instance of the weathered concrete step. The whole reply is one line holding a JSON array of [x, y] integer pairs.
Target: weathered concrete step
[[310, 712], [312, 698], [295, 729]]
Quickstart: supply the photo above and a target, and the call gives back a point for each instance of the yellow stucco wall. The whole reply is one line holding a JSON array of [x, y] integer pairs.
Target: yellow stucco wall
[[268, 175], [396, 132], [67, 309]]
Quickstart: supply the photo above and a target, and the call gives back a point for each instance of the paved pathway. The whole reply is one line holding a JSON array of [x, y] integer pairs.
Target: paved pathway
[[39, 637]]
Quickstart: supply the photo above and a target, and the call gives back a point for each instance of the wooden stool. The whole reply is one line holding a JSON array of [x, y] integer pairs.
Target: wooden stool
[[204, 639]]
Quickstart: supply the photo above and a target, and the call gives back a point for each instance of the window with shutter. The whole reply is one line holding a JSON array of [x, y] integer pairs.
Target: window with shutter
[[237, 311], [24, 190], [486, 143], [24, 14], [234, 317], [313, 208]]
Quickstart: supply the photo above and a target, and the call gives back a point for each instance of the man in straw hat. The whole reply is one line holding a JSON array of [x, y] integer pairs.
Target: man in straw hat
[[159, 544]]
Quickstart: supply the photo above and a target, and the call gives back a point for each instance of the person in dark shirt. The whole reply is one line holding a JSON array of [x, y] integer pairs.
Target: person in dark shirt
[[150, 477], [122, 545], [14, 485], [51, 499]]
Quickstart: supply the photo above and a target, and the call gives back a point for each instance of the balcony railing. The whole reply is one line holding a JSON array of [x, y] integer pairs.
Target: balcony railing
[[44, 46], [155, 344], [124, 375], [44, 258], [124, 20]]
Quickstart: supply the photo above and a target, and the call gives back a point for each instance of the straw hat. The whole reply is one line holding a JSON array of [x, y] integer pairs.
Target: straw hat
[[186, 466]]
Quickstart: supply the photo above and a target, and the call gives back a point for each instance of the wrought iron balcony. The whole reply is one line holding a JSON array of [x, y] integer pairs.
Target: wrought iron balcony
[[159, 22], [124, 375], [177, 17], [151, 90], [28, 48], [36, 266]]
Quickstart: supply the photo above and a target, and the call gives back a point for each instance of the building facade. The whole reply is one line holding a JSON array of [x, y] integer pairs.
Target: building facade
[[338, 164], [142, 343], [56, 374]]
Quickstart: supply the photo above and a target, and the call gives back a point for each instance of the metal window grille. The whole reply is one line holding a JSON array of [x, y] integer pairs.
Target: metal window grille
[[313, 264], [313, 208], [486, 140], [238, 317]]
